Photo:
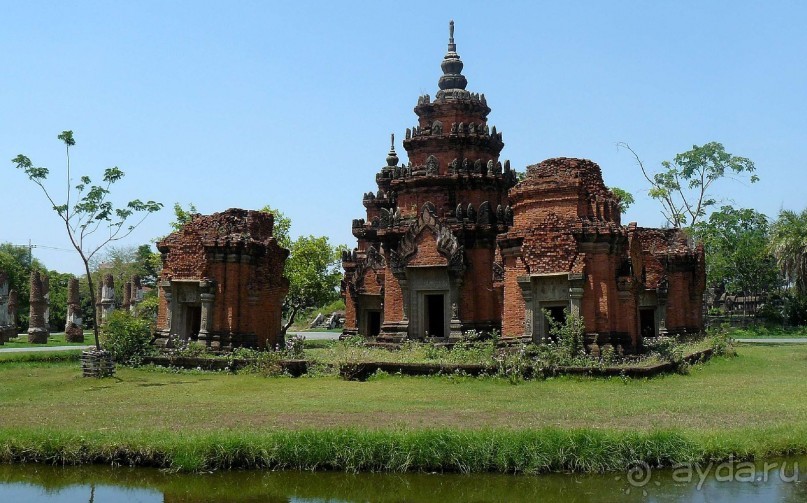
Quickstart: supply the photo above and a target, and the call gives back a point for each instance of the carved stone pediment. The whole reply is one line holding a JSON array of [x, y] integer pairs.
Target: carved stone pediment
[[447, 243]]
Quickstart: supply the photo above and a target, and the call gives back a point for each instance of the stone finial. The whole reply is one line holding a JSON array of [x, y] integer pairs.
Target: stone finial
[[452, 77], [392, 157]]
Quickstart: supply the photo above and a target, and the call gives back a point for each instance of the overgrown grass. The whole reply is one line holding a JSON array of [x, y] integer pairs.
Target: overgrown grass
[[438, 450]]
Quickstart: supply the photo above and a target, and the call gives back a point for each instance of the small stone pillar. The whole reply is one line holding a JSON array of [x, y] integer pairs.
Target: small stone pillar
[[46, 297], [13, 302], [107, 298], [206, 298], [137, 293], [37, 332], [74, 330], [4, 323], [127, 296]]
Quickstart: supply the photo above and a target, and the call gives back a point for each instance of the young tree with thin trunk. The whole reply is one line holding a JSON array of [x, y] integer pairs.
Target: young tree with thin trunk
[[684, 185], [87, 210]]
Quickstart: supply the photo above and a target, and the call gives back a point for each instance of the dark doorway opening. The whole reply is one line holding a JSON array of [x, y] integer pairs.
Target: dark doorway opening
[[193, 321], [373, 323], [435, 316], [556, 314], [647, 322]]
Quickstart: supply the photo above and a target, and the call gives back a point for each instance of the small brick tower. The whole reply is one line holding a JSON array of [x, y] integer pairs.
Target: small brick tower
[[222, 281]]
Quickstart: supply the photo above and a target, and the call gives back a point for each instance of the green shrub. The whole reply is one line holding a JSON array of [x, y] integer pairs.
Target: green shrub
[[127, 337]]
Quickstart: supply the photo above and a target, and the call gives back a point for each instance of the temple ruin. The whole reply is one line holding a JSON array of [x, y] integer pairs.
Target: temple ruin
[[451, 243], [37, 328], [74, 328], [222, 282]]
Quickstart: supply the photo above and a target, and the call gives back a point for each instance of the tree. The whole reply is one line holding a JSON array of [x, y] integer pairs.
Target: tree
[[624, 197], [182, 216], [683, 186], [737, 254], [18, 263], [312, 269], [313, 272], [788, 244], [89, 211]]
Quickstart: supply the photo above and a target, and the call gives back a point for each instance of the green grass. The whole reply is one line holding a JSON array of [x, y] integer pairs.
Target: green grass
[[747, 406], [763, 332], [41, 356], [55, 339]]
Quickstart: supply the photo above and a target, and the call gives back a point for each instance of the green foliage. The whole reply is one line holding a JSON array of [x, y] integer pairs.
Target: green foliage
[[788, 244], [736, 246], [182, 216], [721, 342], [684, 185], [282, 226], [17, 264], [127, 337], [89, 210], [624, 197], [568, 334], [313, 270]]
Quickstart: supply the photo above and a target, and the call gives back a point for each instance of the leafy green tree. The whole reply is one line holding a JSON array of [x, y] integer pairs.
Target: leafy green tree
[[788, 244], [314, 275], [282, 226], [737, 254], [182, 216], [17, 263], [313, 269], [684, 185], [624, 197], [87, 208]]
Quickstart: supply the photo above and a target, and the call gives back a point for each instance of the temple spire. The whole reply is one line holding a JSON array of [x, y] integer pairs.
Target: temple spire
[[392, 157], [452, 65]]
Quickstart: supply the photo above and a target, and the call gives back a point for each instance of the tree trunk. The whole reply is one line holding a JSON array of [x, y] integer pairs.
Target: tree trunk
[[94, 304], [288, 324]]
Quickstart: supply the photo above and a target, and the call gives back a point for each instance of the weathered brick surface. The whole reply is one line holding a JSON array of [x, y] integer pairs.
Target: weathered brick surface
[[561, 221], [235, 252]]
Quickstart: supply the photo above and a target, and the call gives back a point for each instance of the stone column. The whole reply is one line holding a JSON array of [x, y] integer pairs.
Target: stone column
[[13, 302], [127, 296], [576, 293], [46, 296], [107, 298], [206, 324], [37, 332], [525, 283], [4, 323], [74, 329], [455, 325], [137, 293]]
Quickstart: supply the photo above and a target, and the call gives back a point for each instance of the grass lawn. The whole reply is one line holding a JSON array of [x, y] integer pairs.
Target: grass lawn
[[749, 405], [54, 339], [757, 389]]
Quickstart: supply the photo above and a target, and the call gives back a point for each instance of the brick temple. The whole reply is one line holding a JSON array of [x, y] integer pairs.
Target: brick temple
[[452, 243], [222, 282]]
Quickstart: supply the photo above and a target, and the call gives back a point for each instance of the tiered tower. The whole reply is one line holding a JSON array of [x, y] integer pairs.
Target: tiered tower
[[425, 258]]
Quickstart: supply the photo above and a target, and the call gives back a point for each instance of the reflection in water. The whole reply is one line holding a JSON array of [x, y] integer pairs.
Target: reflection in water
[[103, 484]]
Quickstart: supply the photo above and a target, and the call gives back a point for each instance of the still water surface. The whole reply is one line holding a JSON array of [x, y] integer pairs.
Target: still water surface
[[731, 483]]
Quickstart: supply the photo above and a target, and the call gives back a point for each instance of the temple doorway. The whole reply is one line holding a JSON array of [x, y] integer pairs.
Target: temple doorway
[[435, 315], [373, 323], [647, 322], [193, 321]]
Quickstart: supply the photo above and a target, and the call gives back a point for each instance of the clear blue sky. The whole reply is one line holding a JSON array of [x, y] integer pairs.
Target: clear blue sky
[[243, 104]]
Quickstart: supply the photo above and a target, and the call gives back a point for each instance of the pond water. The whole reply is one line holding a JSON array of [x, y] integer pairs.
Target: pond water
[[780, 480]]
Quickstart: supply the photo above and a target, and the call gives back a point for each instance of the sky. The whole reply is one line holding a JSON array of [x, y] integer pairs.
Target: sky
[[291, 104]]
